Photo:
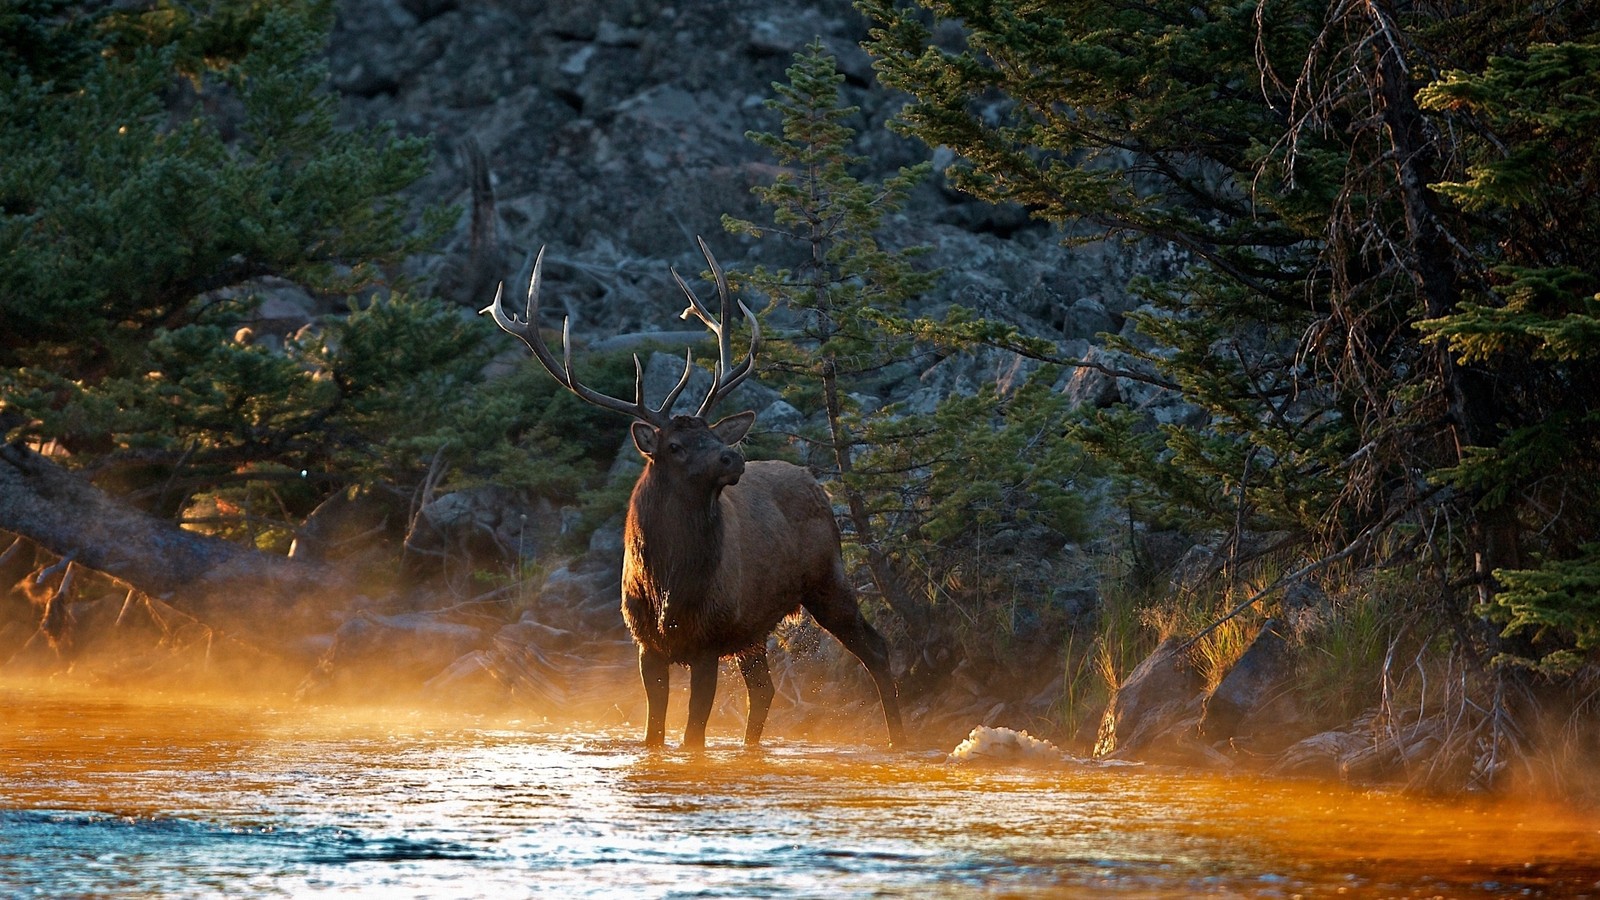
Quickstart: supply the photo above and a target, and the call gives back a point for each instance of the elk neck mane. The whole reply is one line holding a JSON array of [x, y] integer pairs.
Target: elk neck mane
[[675, 538]]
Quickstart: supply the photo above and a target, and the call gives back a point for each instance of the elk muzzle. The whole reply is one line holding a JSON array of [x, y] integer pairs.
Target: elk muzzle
[[730, 467]]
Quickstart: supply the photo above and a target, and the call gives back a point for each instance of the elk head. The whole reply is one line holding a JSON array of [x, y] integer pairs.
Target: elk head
[[695, 452]]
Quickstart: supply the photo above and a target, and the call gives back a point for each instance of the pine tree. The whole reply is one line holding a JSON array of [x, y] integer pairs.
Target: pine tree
[[1532, 322], [184, 154], [158, 155], [1387, 317], [834, 216], [1146, 124], [918, 490]]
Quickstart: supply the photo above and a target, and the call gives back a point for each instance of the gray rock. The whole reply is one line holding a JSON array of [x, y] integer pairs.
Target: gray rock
[[626, 121], [578, 62], [285, 307], [780, 417], [484, 525], [1155, 710], [1253, 700], [1086, 318], [583, 597], [1079, 603], [607, 539], [367, 75], [1090, 387], [610, 34], [963, 375], [1306, 608]]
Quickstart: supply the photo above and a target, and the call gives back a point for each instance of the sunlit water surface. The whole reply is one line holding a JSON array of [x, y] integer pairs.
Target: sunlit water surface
[[100, 797]]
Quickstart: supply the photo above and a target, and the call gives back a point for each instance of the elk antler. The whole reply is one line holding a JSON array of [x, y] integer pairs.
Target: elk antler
[[526, 329], [724, 379]]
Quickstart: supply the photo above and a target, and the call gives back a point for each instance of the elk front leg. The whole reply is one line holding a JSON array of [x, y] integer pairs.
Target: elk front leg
[[702, 691], [758, 684], [654, 671]]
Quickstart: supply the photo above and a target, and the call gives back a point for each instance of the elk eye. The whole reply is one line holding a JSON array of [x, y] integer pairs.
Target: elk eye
[[675, 448]]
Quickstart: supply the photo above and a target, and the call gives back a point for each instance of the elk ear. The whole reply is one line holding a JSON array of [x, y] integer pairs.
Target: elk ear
[[645, 436], [733, 429]]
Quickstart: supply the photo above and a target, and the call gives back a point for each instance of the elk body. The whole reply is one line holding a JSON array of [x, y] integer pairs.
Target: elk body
[[717, 551]]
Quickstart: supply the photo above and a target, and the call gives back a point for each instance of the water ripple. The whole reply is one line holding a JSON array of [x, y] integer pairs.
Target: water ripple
[[104, 802]]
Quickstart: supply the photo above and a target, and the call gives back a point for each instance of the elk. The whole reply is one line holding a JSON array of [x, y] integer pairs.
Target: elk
[[716, 551]]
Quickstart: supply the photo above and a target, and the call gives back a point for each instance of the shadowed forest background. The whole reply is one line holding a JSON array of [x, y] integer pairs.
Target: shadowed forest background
[[1202, 382]]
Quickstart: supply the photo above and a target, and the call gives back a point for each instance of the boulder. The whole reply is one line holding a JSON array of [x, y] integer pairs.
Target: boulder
[[1253, 702], [1306, 609], [780, 417], [283, 308], [1079, 604], [1087, 318], [1155, 711], [963, 375], [484, 526], [1092, 388], [583, 596]]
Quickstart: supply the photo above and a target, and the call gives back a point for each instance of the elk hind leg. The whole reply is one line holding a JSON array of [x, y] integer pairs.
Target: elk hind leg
[[758, 684], [842, 618]]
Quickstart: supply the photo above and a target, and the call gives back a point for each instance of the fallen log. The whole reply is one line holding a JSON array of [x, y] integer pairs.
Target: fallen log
[[228, 586]]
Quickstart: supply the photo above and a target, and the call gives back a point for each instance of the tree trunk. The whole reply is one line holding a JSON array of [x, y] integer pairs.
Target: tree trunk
[[227, 585], [1474, 409], [885, 574]]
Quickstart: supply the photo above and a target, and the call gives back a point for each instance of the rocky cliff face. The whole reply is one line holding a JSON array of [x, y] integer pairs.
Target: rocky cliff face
[[613, 132]]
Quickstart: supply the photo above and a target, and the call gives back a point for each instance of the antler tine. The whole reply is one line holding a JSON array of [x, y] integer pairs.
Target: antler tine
[[695, 307], [683, 381], [725, 381], [527, 329], [726, 377], [744, 369], [724, 340]]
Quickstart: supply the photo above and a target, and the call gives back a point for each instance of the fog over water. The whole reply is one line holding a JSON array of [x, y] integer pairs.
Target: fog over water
[[181, 798]]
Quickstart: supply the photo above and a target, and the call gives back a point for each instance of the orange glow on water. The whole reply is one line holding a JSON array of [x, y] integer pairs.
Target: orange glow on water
[[179, 797]]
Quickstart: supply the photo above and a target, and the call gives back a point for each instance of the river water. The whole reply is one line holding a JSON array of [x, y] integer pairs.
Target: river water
[[183, 798]]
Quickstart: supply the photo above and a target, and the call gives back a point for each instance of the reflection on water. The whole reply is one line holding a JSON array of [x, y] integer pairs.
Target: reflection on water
[[101, 798]]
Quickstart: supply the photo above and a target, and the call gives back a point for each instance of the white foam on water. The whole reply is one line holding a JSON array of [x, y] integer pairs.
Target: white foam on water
[[1004, 745]]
